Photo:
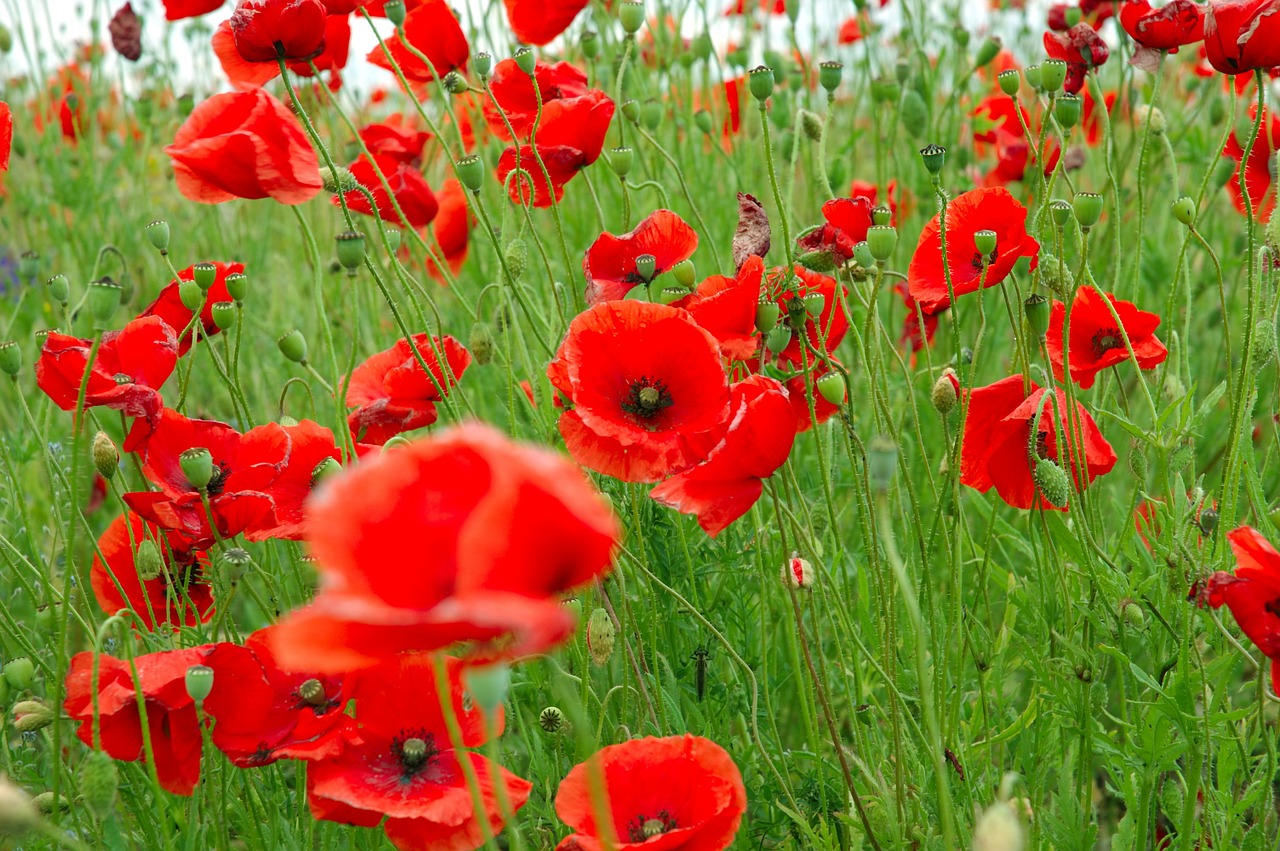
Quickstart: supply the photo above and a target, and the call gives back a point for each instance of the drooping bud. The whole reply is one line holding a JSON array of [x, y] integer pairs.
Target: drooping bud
[[1088, 208], [199, 682], [106, 458], [934, 157], [946, 392], [914, 113], [998, 829], [471, 172], [600, 637], [19, 673], [98, 781], [350, 250], [760, 81], [551, 720], [832, 387], [104, 300], [32, 715], [631, 15], [481, 343], [197, 466], [517, 258], [293, 346], [1052, 482], [10, 358], [158, 235], [881, 241], [1010, 81], [797, 573], [811, 125], [148, 561], [46, 803], [1150, 117], [1053, 73]]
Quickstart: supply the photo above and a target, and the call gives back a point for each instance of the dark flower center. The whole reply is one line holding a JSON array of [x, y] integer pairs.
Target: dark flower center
[[311, 695], [414, 750], [1042, 444], [1273, 607], [219, 479], [1107, 339], [122, 378], [644, 827], [979, 261], [647, 398]]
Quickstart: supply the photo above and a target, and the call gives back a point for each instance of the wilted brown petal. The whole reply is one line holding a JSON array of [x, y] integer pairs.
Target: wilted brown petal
[[126, 33], [752, 235]]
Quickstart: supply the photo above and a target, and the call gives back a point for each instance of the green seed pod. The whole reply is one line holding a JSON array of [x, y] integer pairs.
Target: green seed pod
[[350, 246], [591, 44], [158, 235], [882, 460], [395, 12], [814, 303], [482, 63], [767, 314], [6, 39], [670, 295], [481, 343], [885, 90], [830, 75], [98, 780], [471, 172], [1264, 344], [32, 715], [1053, 73], [59, 289], [1217, 112], [551, 720], [393, 239], [1072, 16], [10, 358], [881, 242], [1032, 75], [621, 160], [1067, 109], [28, 265], [600, 637], [236, 560], [19, 673], [1010, 81], [832, 387], [327, 467], [526, 60], [651, 114], [488, 685], [685, 274], [985, 242], [224, 314], [204, 274], [778, 338], [455, 83], [631, 15], [197, 466], [1088, 208], [148, 560], [987, 51], [934, 158], [190, 294], [646, 267], [237, 286], [760, 81], [862, 255], [1184, 210], [703, 119], [106, 458], [199, 682], [1037, 309], [104, 301], [914, 113], [1052, 482], [881, 215], [293, 346]]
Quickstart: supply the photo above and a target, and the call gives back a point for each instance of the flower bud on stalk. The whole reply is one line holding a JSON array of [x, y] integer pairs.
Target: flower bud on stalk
[[1133, 614], [1264, 344], [914, 113], [32, 715], [106, 458], [293, 346], [46, 804], [797, 574], [811, 125], [1052, 482], [351, 250], [1010, 81], [59, 289], [946, 392], [600, 637], [885, 90], [158, 235], [148, 561], [1184, 210], [481, 343], [987, 51], [337, 180], [19, 673], [10, 358], [98, 781], [590, 41]]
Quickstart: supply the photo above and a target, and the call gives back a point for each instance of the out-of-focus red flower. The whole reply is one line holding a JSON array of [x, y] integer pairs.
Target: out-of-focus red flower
[[646, 382], [1252, 593], [517, 98], [847, 223], [995, 113], [179, 596], [395, 137], [6, 135], [727, 308], [127, 372], [1081, 48], [1091, 120], [850, 31], [864, 189], [269, 30], [680, 793], [245, 74], [610, 262], [176, 10], [1242, 35], [462, 537], [452, 227], [244, 145], [570, 138], [540, 21], [405, 767], [171, 714], [1177, 23], [392, 394], [1013, 154], [997, 441], [408, 187], [265, 713], [1096, 342], [435, 32], [769, 7], [1093, 12], [757, 441], [169, 307], [1258, 176], [979, 209]]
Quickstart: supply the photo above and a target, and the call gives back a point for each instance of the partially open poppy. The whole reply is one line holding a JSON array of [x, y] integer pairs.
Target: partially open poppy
[[1241, 36], [452, 227], [610, 262], [517, 99], [1096, 342], [284, 462], [1258, 170], [1081, 48], [540, 21], [570, 138], [1252, 593], [727, 308], [680, 793], [269, 30], [245, 74], [180, 595], [391, 392], [408, 187], [169, 307], [395, 137], [434, 31]]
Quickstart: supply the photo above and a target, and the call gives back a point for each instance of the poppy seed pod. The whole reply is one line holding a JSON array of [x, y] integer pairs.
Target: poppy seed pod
[[885, 90], [526, 60], [1072, 15], [234, 562], [19, 673], [1060, 212], [97, 782], [197, 466], [702, 118], [881, 241], [28, 265], [985, 242], [480, 343], [59, 288], [1067, 110], [1208, 519], [620, 160], [600, 637], [148, 561], [1053, 73], [455, 83], [105, 455], [914, 113], [760, 81], [767, 315], [830, 74], [204, 274], [590, 44], [482, 62], [987, 51], [862, 255], [395, 12], [646, 266], [10, 358], [104, 300], [327, 467], [631, 110], [6, 39], [350, 249], [882, 458], [881, 215], [934, 158], [158, 235], [1184, 210], [1052, 482], [631, 15], [1088, 208], [199, 682], [1037, 309], [551, 720], [814, 303], [832, 388], [778, 339], [293, 346], [237, 284], [1032, 74], [651, 114], [224, 314], [32, 715], [684, 273], [670, 295], [190, 294], [797, 573], [471, 172], [1010, 81]]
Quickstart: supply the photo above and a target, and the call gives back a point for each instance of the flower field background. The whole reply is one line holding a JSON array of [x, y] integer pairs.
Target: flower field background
[[588, 425]]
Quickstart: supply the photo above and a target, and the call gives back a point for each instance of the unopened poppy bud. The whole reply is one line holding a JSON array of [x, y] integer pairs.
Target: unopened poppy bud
[[934, 157], [1067, 109], [1208, 519], [28, 265], [987, 51], [1088, 208], [59, 289], [489, 685], [590, 41], [760, 81], [46, 803], [455, 83], [148, 561], [1264, 344], [104, 300], [18, 813], [337, 180], [395, 12], [882, 460], [646, 266], [702, 118], [885, 90], [600, 637], [914, 113], [1151, 117], [1138, 459], [190, 294], [946, 392], [832, 387], [797, 574], [237, 286], [10, 358], [862, 255], [767, 314], [98, 781], [631, 15], [881, 241], [293, 346], [19, 673], [998, 829], [985, 242], [1180, 457], [197, 466], [1184, 210], [1052, 482], [471, 172], [199, 682], [1010, 81], [480, 343], [204, 274], [820, 260], [620, 160], [105, 455], [1053, 73], [32, 715], [830, 75], [1133, 614], [1032, 75], [351, 249], [778, 338], [811, 125], [551, 720], [881, 216]]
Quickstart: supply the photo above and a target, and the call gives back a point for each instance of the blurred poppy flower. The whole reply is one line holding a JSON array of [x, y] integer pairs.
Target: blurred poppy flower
[[570, 138], [462, 537], [404, 766], [391, 392], [850, 31], [646, 382], [680, 793], [265, 713], [997, 442], [517, 99], [244, 145], [176, 10], [1258, 171], [180, 595], [757, 441], [452, 227], [995, 113], [127, 372], [610, 262], [1096, 343], [979, 209], [847, 223], [395, 137], [1094, 12], [171, 714], [864, 189], [245, 74], [409, 188], [1242, 35], [434, 31], [1177, 23], [169, 307], [540, 21], [270, 30], [6, 135], [912, 334], [1081, 48], [727, 308], [1252, 593]]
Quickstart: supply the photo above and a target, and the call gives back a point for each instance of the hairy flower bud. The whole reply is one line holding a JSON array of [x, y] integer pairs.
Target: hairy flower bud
[[105, 455], [32, 715], [600, 637], [19, 673], [946, 392], [1052, 482], [98, 781], [797, 573]]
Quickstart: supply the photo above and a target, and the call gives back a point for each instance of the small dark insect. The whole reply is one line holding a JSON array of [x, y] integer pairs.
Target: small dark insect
[[700, 658], [955, 762]]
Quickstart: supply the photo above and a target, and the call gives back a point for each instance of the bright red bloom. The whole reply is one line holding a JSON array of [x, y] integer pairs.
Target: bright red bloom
[[1013, 154], [1081, 48], [265, 713], [610, 262], [757, 441], [863, 189], [825, 331], [517, 98], [911, 330], [461, 537], [405, 767], [646, 382], [979, 209], [847, 223], [176, 10], [727, 308], [6, 135], [995, 113], [245, 74], [396, 138], [268, 30], [1177, 23], [171, 714], [179, 596], [850, 31], [997, 434], [570, 138], [433, 29], [408, 187], [1257, 171], [128, 369], [680, 793], [1096, 342], [539, 21], [169, 307], [1242, 35], [244, 145], [281, 461], [391, 392], [1252, 593]]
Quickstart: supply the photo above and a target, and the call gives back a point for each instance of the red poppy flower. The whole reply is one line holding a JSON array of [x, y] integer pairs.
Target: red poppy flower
[[1252, 593], [995, 113], [391, 392], [433, 29], [570, 138], [461, 537], [408, 187], [1257, 171], [517, 98], [265, 713], [802, 393], [281, 461], [850, 31], [610, 262], [825, 331], [757, 441], [169, 307], [540, 21], [1013, 154], [128, 369], [268, 30], [1081, 48], [244, 145], [847, 223], [6, 135], [176, 10], [912, 334], [680, 793], [1096, 342], [179, 596], [405, 767], [1092, 11], [646, 382], [863, 189], [245, 74], [727, 308], [395, 138], [171, 714], [1242, 35], [979, 209], [452, 227], [997, 435], [1177, 23]]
